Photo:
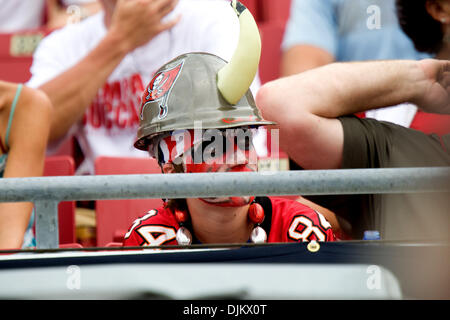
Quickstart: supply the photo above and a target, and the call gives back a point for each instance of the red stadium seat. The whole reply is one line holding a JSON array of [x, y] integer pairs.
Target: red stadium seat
[[63, 166], [65, 149], [274, 11], [16, 54], [431, 123], [74, 245], [271, 37], [114, 217], [114, 244]]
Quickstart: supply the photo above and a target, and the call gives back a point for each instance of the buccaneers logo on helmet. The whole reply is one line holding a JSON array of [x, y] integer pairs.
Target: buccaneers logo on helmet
[[158, 90]]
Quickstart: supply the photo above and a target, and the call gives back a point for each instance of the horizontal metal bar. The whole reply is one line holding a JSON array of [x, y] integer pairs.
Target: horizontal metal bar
[[307, 182]]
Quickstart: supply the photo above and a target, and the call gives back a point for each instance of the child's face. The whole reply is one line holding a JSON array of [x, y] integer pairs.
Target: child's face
[[228, 150]]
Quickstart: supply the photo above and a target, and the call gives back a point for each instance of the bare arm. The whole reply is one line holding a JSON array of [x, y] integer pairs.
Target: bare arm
[[25, 156], [300, 58], [133, 24], [305, 106], [346, 88]]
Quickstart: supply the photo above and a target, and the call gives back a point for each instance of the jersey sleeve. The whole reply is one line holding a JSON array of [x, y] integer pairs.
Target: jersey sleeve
[[156, 228]]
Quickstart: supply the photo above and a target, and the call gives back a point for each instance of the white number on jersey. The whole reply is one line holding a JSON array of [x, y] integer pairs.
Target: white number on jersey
[[137, 222], [309, 228], [156, 235]]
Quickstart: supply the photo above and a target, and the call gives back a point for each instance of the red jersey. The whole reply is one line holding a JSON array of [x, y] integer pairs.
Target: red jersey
[[285, 221]]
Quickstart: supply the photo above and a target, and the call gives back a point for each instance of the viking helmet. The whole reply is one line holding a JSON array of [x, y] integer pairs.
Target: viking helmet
[[203, 88]]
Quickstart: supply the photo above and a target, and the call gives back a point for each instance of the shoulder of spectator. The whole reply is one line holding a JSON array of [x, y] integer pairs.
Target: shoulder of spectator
[[31, 122], [34, 104], [6, 93], [303, 57]]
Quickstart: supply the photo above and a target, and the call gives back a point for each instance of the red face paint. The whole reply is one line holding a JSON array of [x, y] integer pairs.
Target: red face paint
[[232, 160], [228, 151]]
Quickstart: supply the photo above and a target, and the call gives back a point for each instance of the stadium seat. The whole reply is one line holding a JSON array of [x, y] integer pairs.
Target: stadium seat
[[114, 244], [74, 245], [431, 123], [63, 166], [114, 217], [16, 54], [274, 11], [271, 37], [65, 149]]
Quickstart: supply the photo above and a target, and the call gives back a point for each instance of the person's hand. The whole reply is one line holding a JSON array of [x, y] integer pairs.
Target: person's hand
[[435, 97], [135, 22]]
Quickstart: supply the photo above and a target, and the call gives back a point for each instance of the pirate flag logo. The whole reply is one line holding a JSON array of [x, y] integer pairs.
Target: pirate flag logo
[[159, 88]]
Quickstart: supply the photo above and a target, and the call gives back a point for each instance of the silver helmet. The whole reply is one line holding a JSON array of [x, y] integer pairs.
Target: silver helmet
[[203, 88]]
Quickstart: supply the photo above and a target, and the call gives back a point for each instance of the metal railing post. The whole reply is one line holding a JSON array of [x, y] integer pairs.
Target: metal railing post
[[46, 213]]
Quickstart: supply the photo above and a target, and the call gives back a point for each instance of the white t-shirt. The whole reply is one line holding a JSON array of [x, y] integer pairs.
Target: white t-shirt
[[18, 15], [402, 114], [110, 124]]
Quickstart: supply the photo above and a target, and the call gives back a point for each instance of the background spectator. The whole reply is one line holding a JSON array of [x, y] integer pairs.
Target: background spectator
[[317, 135], [21, 15], [22, 110], [324, 31], [34, 14], [427, 23]]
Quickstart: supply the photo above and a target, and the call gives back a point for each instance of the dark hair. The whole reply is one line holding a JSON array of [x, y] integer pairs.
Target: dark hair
[[419, 25], [176, 204]]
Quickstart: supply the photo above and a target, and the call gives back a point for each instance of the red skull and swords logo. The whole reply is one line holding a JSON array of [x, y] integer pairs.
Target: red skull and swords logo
[[159, 88]]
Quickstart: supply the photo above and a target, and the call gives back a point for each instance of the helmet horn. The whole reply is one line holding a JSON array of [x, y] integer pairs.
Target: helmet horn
[[234, 79]]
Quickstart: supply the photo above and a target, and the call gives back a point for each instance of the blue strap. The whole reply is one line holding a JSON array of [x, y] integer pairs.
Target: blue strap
[[11, 114]]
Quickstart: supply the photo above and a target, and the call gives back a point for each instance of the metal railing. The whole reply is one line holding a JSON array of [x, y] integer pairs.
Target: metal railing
[[47, 192]]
